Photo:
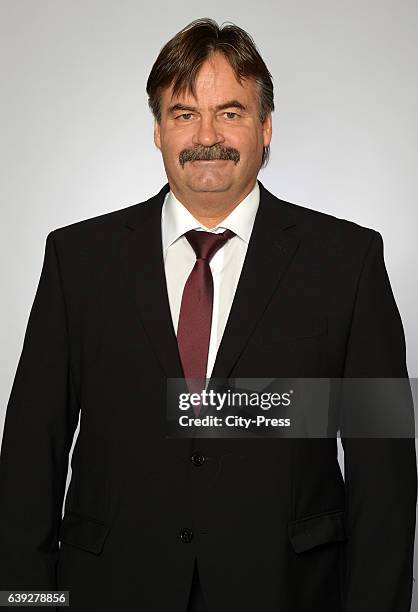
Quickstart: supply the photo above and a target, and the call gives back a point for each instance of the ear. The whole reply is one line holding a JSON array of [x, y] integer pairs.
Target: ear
[[267, 129], [157, 134]]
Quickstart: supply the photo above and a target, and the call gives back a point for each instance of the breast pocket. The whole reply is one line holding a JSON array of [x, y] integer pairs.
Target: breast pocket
[[295, 327]]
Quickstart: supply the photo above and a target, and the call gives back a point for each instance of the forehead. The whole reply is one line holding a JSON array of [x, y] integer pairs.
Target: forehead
[[215, 83]]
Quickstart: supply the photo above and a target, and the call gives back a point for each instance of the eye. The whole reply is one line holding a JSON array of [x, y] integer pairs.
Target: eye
[[231, 113], [184, 115]]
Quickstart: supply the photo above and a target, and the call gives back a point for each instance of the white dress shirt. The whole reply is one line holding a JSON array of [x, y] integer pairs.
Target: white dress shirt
[[225, 265]]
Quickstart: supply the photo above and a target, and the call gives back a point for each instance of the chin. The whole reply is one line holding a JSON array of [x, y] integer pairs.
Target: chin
[[209, 182]]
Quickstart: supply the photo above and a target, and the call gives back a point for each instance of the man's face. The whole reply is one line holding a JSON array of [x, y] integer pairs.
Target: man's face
[[221, 125]]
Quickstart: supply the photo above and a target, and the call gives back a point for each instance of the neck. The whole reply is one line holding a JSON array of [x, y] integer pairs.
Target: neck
[[210, 207]]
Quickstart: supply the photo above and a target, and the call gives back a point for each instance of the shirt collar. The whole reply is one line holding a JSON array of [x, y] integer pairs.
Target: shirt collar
[[176, 220]]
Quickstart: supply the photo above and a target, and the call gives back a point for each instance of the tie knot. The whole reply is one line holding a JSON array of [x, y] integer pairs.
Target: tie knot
[[205, 244]]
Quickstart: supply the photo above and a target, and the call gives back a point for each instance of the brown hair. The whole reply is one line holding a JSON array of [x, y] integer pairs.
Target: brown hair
[[181, 57]]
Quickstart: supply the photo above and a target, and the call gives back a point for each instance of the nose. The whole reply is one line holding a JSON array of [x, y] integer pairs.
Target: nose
[[207, 132]]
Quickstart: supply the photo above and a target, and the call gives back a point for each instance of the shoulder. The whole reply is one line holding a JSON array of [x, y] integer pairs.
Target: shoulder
[[104, 228], [328, 231], [99, 223]]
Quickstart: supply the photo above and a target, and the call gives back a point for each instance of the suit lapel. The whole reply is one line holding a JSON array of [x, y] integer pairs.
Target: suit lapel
[[269, 252], [143, 266]]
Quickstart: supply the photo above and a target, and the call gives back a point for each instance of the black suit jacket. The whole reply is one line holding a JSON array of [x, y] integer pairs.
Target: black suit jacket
[[271, 522]]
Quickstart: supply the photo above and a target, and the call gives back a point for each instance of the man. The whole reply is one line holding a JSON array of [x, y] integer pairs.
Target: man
[[213, 276]]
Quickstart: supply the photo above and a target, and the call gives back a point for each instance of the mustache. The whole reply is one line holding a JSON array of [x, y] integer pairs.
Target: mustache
[[208, 153]]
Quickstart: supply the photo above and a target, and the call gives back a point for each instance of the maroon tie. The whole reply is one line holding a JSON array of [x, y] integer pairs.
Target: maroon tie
[[195, 319]]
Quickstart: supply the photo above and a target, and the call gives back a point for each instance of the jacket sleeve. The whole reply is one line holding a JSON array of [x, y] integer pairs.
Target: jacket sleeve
[[380, 473], [41, 417]]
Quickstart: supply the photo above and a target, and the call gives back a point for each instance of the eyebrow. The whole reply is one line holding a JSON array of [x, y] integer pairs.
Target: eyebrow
[[229, 104]]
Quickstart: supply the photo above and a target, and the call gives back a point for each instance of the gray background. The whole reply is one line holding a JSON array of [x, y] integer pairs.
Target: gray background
[[76, 132]]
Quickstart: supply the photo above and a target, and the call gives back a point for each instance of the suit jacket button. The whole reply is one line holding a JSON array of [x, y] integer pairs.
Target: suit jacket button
[[186, 535], [198, 458]]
